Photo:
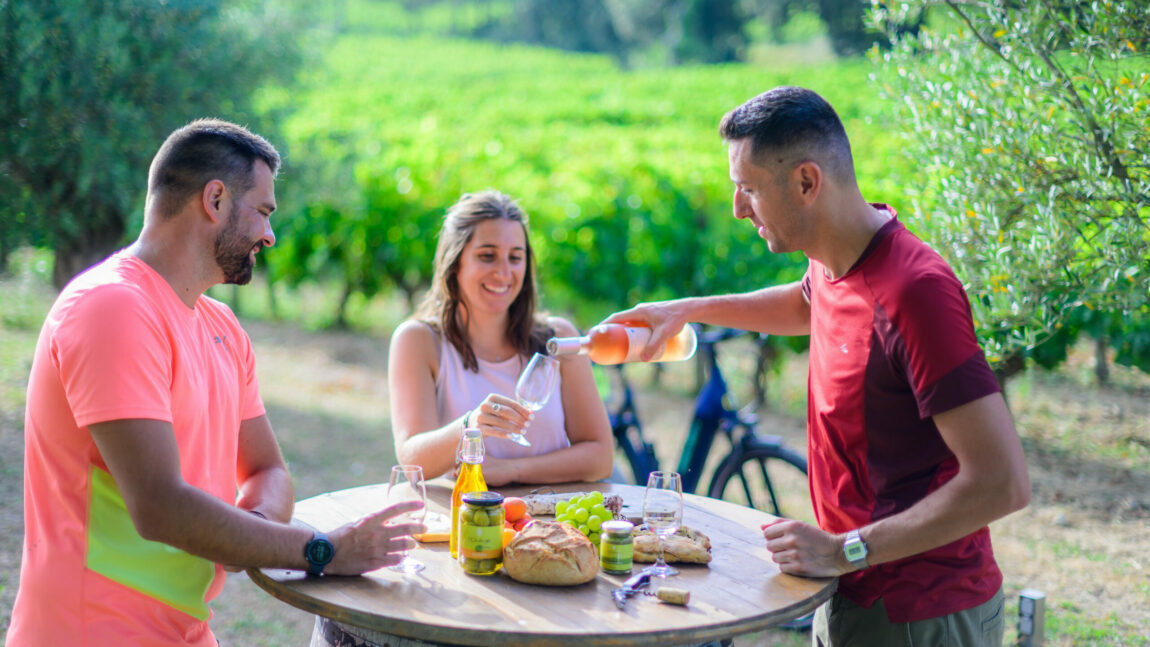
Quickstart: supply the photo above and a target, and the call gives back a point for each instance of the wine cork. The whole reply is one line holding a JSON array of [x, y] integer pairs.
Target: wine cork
[[672, 595]]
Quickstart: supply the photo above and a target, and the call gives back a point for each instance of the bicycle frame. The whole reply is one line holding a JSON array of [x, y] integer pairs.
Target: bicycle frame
[[639, 452], [710, 416]]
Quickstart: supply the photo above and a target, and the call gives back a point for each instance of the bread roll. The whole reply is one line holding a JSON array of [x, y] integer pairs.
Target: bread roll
[[686, 546], [550, 553]]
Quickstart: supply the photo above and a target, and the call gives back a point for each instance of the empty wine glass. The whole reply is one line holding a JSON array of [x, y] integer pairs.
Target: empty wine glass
[[406, 484], [663, 512], [535, 386]]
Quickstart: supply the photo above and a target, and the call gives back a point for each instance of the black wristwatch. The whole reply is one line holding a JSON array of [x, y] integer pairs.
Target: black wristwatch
[[318, 553]]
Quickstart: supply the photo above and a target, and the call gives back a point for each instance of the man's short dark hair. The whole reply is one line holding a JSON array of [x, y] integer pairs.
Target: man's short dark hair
[[791, 124], [202, 151]]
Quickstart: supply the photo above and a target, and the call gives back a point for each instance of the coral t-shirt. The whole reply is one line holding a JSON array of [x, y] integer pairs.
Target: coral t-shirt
[[892, 345], [119, 344]]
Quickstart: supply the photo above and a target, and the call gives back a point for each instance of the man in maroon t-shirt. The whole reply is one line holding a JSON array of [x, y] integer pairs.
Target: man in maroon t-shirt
[[912, 451]]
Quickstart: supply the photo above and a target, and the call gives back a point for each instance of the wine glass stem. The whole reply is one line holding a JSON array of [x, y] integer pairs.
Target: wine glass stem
[[661, 563]]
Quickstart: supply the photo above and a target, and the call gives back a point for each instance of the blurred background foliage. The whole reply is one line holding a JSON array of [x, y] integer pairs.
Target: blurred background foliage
[[1010, 137], [90, 88]]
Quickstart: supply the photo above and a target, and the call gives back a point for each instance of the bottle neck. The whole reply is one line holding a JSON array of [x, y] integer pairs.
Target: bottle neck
[[472, 453], [568, 345], [472, 449]]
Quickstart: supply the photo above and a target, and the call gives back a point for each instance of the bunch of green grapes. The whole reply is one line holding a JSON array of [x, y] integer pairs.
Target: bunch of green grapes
[[586, 513]]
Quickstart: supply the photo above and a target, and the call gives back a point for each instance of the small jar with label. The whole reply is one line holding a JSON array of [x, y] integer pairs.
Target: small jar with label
[[616, 548], [481, 533]]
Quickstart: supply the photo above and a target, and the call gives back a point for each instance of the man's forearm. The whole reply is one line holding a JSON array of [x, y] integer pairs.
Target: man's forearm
[[197, 522], [991, 483], [953, 511], [777, 310]]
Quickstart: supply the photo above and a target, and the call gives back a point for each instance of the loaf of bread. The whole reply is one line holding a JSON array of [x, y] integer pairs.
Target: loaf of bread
[[550, 553]]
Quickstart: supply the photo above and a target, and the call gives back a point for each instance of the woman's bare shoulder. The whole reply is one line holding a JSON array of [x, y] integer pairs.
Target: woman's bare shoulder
[[418, 337]]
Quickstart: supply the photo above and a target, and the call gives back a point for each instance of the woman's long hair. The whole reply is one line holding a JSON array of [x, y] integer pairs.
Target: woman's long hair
[[443, 307]]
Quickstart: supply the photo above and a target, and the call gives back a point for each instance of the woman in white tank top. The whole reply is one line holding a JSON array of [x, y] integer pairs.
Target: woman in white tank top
[[456, 362]]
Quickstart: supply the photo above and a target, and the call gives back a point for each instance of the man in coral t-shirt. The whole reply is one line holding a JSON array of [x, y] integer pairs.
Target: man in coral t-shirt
[[144, 420], [911, 449]]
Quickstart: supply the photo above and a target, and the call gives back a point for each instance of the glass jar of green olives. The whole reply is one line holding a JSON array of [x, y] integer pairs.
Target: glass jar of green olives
[[481, 533], [616, 548]]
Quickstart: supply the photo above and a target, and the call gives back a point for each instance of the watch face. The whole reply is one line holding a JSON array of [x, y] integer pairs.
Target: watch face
[[320, 551], [855, 550]]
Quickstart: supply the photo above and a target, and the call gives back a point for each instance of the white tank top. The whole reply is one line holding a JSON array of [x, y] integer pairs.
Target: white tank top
[[458, 390]]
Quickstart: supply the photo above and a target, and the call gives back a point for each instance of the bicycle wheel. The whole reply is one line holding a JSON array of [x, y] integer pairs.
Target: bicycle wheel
[[766, 476]]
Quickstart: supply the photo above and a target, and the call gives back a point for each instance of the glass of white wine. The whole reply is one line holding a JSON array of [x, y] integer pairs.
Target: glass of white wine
[[663, 512], [535, 386], [406, 484]]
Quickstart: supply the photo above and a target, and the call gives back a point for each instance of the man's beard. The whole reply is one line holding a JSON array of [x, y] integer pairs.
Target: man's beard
[[233, 253]]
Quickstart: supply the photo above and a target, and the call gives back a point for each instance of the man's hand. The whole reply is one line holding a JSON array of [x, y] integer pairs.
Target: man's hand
[[663, 318], [802, 549], [372, 542]]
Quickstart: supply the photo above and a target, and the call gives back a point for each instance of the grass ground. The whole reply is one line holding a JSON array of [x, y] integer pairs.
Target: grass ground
[[1082, 541]]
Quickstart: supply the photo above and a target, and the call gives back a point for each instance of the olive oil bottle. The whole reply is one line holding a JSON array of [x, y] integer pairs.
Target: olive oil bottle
[[470, 479]]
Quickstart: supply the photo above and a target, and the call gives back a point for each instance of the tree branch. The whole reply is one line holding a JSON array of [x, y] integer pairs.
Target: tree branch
[[1102, 145]]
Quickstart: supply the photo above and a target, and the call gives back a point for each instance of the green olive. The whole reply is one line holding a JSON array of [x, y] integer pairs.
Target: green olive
[[481, 518], [466, 515]]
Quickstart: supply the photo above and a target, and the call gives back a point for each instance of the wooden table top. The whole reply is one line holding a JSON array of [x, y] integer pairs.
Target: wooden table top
[[740, 591]]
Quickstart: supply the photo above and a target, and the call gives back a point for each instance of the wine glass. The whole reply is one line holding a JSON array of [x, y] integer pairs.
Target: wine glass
[[663, 512], [406, 484], [535, 386]]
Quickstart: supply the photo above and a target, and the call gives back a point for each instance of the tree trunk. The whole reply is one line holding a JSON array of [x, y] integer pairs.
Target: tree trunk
[[73, 257], [763, 364], [273, 303], [341, 312], [1101, 362], [1008, 368]]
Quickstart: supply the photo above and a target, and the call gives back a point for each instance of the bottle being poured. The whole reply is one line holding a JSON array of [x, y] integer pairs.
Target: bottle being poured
[[615, 343]]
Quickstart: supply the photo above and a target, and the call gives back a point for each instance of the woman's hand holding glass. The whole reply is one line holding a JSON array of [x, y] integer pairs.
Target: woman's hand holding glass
[[501, 417], [406, 484]]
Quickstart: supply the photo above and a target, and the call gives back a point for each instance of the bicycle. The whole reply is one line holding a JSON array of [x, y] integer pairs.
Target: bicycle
[[760, 470]]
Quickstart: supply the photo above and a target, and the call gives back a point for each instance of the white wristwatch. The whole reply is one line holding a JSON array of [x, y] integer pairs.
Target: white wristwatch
[[854, 549]]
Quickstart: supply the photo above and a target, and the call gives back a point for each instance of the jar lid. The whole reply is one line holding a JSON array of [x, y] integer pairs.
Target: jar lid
[[617, 527], [483, 498]]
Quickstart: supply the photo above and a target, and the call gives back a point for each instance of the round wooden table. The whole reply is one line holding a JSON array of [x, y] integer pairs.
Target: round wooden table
[[740, 591]]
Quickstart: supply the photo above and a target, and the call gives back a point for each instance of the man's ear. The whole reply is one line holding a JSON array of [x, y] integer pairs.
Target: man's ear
[[213, 196], [808, 178]]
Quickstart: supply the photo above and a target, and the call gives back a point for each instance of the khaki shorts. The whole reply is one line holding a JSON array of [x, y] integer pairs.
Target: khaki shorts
[[842, 623]]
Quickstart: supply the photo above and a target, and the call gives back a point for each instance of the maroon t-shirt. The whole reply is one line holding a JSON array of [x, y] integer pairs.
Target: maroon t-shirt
[[893, 344]]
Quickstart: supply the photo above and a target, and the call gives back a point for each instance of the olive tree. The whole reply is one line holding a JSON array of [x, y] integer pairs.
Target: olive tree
[[1027, 121], [90, 89]]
